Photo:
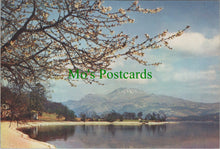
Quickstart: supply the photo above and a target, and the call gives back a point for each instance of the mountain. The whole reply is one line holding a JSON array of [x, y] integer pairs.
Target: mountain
[[135, 100], [125, 94]]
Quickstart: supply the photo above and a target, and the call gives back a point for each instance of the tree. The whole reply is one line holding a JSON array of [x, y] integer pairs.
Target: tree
[[160, 116], [18, 103], [83, 117], [38, 97], [148, 116], [163, 116], [121, 118], [69, 114], [140, 114], [154, 116], [43, 39], [113, 116], [94, 116], [59, 109], [129, 115]]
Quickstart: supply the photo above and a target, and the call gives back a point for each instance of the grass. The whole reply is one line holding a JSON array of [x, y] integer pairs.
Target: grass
[[129, 121], [50, 117]]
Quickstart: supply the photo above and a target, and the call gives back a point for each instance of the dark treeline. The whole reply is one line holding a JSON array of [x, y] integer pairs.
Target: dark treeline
[[207, 117], [18, 105], [113, 116], [160, 116]]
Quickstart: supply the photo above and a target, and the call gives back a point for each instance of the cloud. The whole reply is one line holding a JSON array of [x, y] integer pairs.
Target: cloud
[[168, 73], [164, 72], [197, 44], [214, 86], [164, 68], [186, 75], [138, 81]]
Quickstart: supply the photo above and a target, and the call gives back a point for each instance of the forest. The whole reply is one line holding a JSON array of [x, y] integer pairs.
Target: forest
[[25, 105]]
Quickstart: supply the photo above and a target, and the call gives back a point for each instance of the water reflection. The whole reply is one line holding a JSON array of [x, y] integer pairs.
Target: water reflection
[[156, 129], [48, 133], [87, 129], [112, 129], [169, 135]]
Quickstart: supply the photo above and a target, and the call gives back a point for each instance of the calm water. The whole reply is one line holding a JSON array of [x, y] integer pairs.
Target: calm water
[[190, 134]]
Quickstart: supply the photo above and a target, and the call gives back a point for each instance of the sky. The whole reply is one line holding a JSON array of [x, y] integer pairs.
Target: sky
[[190, 71]]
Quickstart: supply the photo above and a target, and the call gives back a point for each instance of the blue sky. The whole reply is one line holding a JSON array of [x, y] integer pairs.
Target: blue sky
[[190, 71]]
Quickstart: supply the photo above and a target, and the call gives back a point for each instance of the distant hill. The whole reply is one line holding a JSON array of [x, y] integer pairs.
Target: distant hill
[[135, 100]]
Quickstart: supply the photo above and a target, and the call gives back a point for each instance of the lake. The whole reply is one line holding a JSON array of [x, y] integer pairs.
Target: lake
[[184, 134]]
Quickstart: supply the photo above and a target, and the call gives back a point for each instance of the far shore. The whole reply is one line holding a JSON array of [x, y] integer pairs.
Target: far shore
[[13, 138], [48, 123]]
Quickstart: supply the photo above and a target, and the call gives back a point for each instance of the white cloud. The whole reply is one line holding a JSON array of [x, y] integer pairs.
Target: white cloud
[[186, 75], [164, 72], [137, 81], [164, 68], [214, 86], [197, 44], [168, 73]]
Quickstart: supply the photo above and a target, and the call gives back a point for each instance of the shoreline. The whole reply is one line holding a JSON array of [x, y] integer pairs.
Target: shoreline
[[21, 140], [73, 123], [13, 138]]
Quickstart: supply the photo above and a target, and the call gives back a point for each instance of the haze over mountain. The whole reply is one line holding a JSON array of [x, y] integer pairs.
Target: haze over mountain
[[135, 100]]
